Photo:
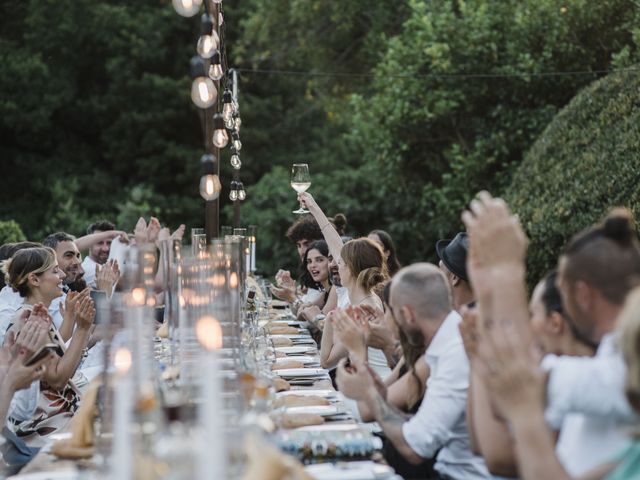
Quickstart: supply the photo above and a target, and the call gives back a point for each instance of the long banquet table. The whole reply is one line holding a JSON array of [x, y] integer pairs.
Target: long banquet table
[[339, 448]]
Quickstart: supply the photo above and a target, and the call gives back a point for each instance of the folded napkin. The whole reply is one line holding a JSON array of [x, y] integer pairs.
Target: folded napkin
[[266, 462], [283, 330], [296, 420], [80, 445], [163, 331], [300, 401], [282, 342], [287, 364], [281, 385]]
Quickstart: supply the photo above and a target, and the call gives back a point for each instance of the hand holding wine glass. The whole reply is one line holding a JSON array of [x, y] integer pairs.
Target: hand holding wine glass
[[300, 181]]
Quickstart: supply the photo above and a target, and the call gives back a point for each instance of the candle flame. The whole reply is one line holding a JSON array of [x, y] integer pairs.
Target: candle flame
[[138, 295], [122, 360], [209, 332]]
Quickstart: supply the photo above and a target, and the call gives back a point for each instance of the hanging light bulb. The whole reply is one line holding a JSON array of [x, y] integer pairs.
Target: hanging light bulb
[[233, 193], [220, 135], [187, 8], [215, 70], [237, 144], [209, 40], [203, 91], [235, 159], [237, 123], [210, 185], [241, 193], [227, 105], [217, 1]]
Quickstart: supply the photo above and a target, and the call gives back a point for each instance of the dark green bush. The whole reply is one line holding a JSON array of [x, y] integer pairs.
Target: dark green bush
[[586, 161], [10, 232]]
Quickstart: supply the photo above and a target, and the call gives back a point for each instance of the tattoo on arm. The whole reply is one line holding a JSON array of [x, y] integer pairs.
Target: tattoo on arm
[[388, 414]]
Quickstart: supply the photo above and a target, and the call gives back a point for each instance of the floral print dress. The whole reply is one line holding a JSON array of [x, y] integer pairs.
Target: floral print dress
[[55, 408]]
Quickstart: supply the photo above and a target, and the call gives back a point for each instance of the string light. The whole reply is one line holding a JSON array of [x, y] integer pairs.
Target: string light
[[203, 91], [236, 163], [215, 70], [209, 40], [227, 106], [233, 193], [220, 135], [237, 144], [187, 8], [210, 185], [241, 193]]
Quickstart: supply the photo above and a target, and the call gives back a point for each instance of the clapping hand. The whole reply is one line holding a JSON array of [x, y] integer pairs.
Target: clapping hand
[[153, 229], [348, 330], [178, 233], [354, 380], [107, 276], [379, 334]]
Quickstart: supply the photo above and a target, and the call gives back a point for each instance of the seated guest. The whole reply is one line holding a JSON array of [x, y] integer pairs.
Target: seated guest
[[316, 273], [10, 300], [596, 271], [554, 332], [453, 262], [420, 302], [19, 387], [388, 248], [35, 274], [98, 240], [302, 233], [362, 268]]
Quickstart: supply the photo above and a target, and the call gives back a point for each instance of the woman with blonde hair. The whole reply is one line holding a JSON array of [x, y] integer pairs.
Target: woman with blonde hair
[[362, 267], [35, 275]]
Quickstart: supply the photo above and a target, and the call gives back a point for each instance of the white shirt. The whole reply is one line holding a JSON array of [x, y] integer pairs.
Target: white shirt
[[24, 403], [10, 301], [441, 419], [586, 401], [89, 267]]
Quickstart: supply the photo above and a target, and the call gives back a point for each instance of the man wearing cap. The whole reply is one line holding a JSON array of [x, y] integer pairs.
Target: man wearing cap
[[453, 262]]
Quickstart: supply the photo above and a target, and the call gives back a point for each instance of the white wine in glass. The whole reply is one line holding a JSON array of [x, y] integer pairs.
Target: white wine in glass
[[300, 181]]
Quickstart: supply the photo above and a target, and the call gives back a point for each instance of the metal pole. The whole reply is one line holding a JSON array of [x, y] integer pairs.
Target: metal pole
[[212, 208]]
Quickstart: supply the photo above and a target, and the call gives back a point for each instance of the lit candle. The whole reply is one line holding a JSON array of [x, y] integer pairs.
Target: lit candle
[[212, 457], [253, 254], [122, 447]]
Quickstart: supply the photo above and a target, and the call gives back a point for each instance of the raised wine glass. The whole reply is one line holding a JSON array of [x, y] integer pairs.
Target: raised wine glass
[[300, 181]]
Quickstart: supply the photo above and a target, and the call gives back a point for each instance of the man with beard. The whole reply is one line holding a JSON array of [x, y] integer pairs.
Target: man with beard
[[99, 237], [420, 302]]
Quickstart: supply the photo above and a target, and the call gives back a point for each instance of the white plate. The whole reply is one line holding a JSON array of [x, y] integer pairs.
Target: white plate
[[300, 372], [330, 427], [305, 359], [365, 470], [324, 410], [296, 349], [320, 392]]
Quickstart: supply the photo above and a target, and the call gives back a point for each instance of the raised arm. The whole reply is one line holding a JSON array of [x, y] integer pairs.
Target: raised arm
[[85, 242], [331, 236]]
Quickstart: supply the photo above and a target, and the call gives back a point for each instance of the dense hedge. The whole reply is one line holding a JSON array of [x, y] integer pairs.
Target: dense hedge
[[586, 161], [10, 232]]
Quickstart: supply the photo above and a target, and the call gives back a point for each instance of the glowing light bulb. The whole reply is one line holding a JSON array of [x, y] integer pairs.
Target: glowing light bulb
[[229, 124], [237, 144], [203, 91], [227, 108], [220, 135], [187, 8], [208, 44], [210, 187], [233, 193], [238, 123], [215, 70], [241, 193], [236, 162]]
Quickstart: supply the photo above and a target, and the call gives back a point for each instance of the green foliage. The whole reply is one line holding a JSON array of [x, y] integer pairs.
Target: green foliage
[[10, 232], [585, 162]]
